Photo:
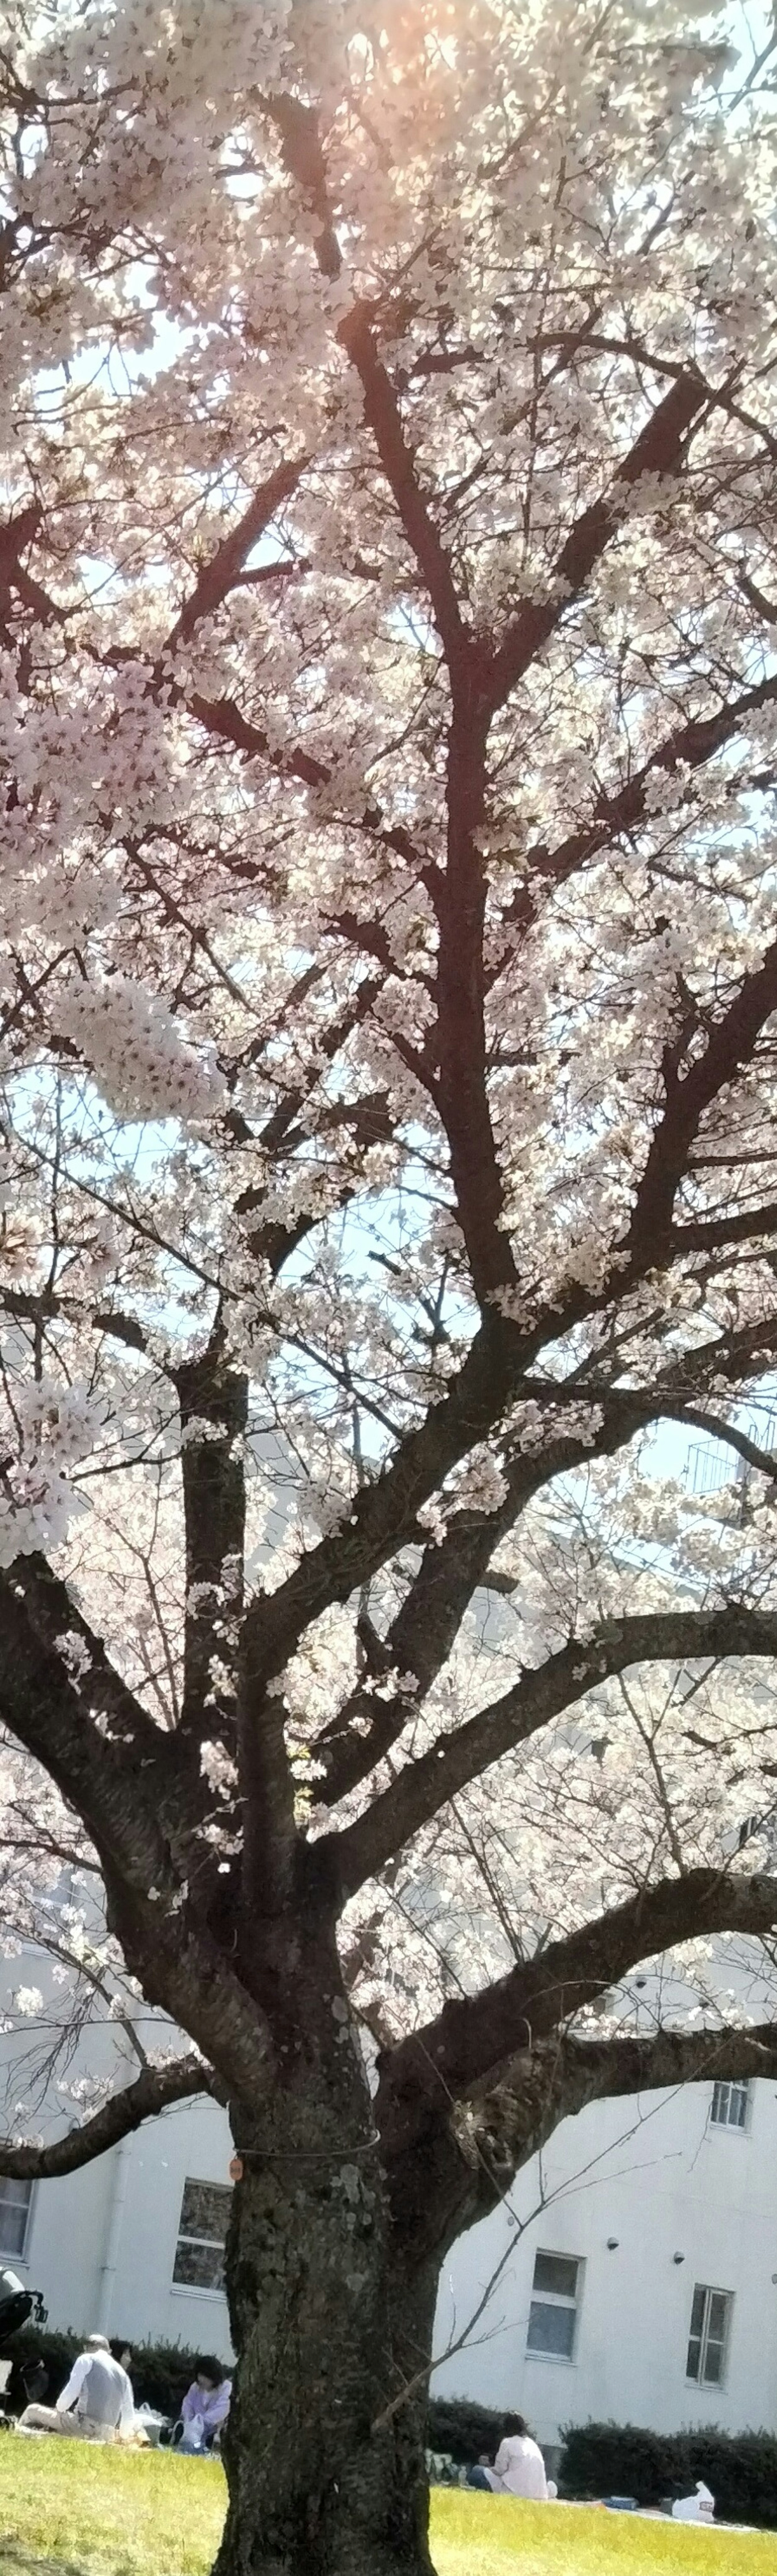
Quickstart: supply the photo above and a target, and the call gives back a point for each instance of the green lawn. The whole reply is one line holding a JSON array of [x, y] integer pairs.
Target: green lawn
[[69, 2510], [482, 2536]]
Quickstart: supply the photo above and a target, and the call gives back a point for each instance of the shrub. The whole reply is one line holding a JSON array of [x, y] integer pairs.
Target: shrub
[[463, 2430], [38, 2343], [628, 2459]]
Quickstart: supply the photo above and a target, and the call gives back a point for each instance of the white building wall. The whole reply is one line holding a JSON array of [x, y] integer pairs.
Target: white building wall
[[193, 2140], [64, 2243], [101, 2243], [626, 2189]]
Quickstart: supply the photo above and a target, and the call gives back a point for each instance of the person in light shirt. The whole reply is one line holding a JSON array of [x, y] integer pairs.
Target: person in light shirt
[[519, 2468], [97, 2404], [206, 2405]]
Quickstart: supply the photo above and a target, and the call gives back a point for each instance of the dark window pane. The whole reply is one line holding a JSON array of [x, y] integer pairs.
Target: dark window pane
[[13, 2229], [556, 2272], [10, 2190], [199, 2267], [697, 2311], [205, 2211], [729, 2105], [713, 2365], [717, 2316], [551, 2329], [14, 2212], [694, 2358]]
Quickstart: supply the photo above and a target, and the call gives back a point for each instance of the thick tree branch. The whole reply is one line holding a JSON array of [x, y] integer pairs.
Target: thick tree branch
[[471, 2154], [424, 1786], [57, 1680], [596, 2069], [224, 721], [427, 1622], [369, 1122], [475, 2037], [214, 1414], [16, 534], [472, 2148], [384, 1514], [608, 344], [226, 565], [709, 1234], [417, 1643], [303, 158], [155, 2090], [462, 1092], [729, 1046], [425, 1627], [716, 1428], [657, 450], [556, 2078], [624, 809], [141, 1808], [492, 1377], [29, 1309]]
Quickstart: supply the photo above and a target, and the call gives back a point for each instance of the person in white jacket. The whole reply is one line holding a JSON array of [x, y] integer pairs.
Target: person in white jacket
[[97, 2404], [518, 2469]]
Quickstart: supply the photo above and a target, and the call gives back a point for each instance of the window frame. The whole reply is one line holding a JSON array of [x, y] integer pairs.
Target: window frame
[[14, 2188], [186, 2236], [565, 2303], [709, 2290], [727, 2126]]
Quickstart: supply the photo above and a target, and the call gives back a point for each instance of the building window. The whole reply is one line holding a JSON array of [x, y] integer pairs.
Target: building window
[[708, 2341], [730, 2106], [554, 2306], [202, 2235], [15, 2199]]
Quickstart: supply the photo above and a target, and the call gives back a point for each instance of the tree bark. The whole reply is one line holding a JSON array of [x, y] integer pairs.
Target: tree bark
[[323, 2345]]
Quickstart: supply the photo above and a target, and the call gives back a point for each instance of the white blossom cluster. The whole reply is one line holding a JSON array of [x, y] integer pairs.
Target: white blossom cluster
[[134, 1048]]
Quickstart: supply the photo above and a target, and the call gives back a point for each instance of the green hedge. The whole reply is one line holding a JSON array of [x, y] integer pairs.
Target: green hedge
[[463, 2430], [161, 2372], [627, 2459]]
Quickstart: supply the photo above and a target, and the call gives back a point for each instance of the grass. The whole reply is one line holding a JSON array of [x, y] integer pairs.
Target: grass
[[84, 2507], [70, 2510], [487, 2536]]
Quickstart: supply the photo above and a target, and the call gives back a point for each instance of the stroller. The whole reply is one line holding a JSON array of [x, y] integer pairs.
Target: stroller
[[17, 2305]]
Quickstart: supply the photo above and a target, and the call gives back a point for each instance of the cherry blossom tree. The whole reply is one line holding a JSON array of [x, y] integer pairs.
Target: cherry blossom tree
[[388, 978]]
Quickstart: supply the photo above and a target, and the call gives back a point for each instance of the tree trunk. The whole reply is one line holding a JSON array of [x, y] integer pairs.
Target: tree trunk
[[323, 2346]]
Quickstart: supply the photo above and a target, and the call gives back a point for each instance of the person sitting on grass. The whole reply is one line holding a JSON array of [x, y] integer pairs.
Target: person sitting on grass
[[97, 2404], [205, 2407], [519, 2468]]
